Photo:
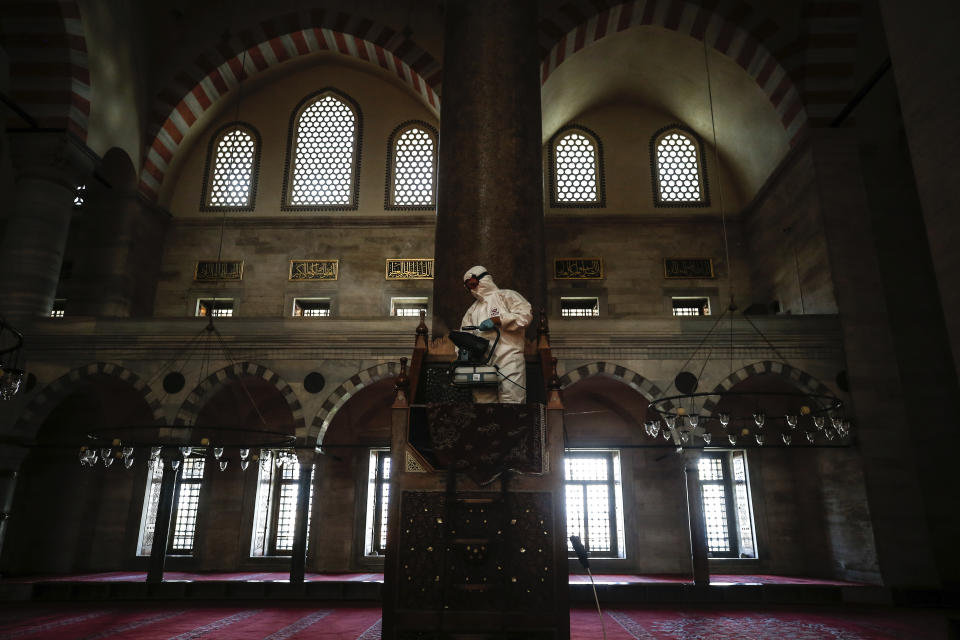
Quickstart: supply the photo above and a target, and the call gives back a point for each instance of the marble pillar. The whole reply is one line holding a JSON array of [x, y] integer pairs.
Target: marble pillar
[[489, 187], [47, 168]]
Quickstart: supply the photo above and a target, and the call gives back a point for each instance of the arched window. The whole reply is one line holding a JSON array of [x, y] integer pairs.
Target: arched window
[[412, 167], [324, 154], [679, 172], [230, 180], [576, 169]]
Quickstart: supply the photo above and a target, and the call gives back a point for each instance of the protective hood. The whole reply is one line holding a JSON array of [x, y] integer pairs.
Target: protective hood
[[486, 286]]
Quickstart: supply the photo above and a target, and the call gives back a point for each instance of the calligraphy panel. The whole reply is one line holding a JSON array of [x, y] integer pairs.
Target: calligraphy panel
[[688, 268], [409, 269], [312, 270], [578, 269], [213, 270]]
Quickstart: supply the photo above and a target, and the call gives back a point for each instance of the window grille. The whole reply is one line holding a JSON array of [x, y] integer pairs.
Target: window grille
[[276, 511], [575, 169], [407, 307], [378, 502], [691, 306], [727, 511], [678, 173], [324, 155], [186, 505], [59, 308], [216, 307], [594, 501], [186, 502], [232, 168], [413, 160], [311, 307], [579, 307]]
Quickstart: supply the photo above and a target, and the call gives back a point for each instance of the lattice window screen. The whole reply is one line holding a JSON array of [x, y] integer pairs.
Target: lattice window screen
[[413, 169], [678, 170], [232, 170], [576, 169], [324, 154]]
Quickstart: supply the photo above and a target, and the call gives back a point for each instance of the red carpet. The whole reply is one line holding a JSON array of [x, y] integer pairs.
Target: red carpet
[[608, 578], [190, 622]]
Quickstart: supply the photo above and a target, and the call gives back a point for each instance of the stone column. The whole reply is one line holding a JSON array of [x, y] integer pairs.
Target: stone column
[[489, 188], [298, 560], [698, 528], [927, 72], [161, 529], [907, 470], [47, 169]]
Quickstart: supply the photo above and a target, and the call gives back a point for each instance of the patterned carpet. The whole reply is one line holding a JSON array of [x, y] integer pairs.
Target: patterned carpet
[[609, 578], [190, 622]]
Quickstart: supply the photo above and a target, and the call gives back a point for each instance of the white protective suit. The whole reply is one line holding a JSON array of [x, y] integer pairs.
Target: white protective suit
[[515, 315]]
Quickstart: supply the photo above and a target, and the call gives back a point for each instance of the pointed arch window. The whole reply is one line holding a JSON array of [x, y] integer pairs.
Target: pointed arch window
[[576, 168], [233, 159], [678, 167], [412, 167], [323, 154]]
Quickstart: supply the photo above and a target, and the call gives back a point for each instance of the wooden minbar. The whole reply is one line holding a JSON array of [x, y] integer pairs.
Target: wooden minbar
[[475, 543]]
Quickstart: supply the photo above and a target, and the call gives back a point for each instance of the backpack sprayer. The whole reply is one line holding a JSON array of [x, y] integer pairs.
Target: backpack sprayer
[[472, 367]]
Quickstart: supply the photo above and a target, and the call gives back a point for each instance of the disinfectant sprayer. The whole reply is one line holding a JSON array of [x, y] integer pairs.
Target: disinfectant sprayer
[[472, 367]]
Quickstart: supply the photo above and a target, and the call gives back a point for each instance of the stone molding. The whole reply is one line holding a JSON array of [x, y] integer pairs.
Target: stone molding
[[339, 397]]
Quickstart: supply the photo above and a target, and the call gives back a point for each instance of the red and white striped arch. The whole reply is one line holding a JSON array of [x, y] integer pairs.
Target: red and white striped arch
[[812, 83], [199, 88], [49, 72]]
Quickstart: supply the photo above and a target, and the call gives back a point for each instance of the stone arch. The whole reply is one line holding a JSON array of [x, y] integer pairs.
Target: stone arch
[[339, 397], [47, 44], [751, 40], [46, 399], [190, 409], [796, 377], [634, 380], [218, 71]]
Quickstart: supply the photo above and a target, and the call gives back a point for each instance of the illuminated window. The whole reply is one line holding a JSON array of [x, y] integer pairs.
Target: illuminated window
[[677, 165], [79, 196], [324, 158], [278, 486], [407, 307], [412, 171], [59, 308], [378, 502], [575, 169], [691, 306], [727, 510], [231, 178], [594, 501], [311, 307], [216, 307], [186, 503], [579, 307]]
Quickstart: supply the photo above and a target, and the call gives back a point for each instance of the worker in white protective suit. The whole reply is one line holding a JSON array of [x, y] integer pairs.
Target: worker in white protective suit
[[511, 312]]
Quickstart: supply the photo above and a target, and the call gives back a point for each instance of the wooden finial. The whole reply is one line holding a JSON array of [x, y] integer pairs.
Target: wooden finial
[[554, 384], [422, 327], [401, 382]]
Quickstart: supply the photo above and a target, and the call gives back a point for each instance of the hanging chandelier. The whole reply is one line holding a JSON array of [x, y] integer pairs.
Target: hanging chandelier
[[742, 418], [11, 370]]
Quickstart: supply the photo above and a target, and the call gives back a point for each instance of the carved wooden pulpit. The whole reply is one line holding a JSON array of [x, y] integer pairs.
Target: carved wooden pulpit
[[476, 525]]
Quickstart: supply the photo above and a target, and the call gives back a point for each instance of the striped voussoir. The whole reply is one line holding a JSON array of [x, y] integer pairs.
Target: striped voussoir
[[49, 70], [806, 76], [321, 422], [634, 380], [190, 409], [267, 44], [50, 396], [803, 381]]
